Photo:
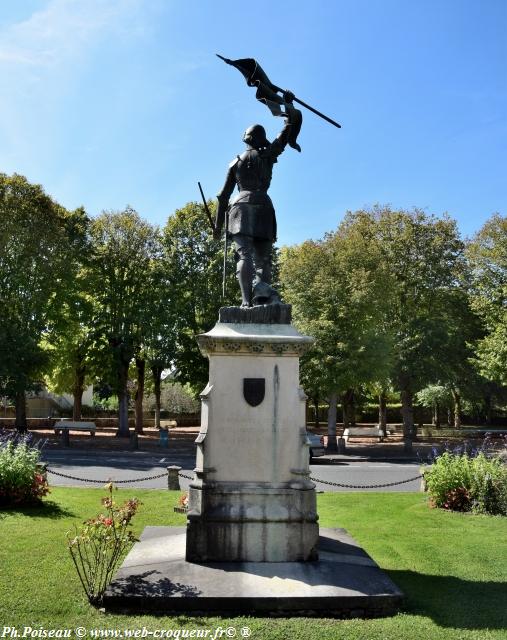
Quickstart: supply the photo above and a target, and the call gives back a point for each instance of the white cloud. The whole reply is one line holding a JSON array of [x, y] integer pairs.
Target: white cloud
[[61, 31], [42, 61]]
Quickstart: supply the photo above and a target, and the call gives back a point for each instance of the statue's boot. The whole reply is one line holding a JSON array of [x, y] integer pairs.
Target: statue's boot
[[263, 293]]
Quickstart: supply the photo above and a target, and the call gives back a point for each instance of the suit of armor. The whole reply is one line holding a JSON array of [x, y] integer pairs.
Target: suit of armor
[[251, 221]]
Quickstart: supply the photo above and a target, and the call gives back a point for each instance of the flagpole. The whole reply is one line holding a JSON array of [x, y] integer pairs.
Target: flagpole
[[316, 112], [303, 104]]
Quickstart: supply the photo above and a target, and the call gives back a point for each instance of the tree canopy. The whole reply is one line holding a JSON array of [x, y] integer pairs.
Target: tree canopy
[[394, 299], [39, 240], [487, 253], [124, 250]]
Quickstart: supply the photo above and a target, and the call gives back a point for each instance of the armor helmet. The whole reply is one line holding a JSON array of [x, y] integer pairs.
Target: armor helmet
[[255, 136]]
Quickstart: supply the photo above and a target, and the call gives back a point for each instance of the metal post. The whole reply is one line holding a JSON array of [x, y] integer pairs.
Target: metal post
[[65, 438], [164, 437], [173, 478], [224, 274], [423, 488], [342, 447]]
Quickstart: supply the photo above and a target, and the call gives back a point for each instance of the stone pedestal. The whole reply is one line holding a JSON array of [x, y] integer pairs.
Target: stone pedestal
[[345, 582], [252, 544], [251, 499]]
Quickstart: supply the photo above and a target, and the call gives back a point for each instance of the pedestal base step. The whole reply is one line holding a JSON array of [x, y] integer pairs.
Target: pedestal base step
[[345, 582]]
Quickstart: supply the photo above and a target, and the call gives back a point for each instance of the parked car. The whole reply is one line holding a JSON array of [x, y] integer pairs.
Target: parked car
[[316, 445]]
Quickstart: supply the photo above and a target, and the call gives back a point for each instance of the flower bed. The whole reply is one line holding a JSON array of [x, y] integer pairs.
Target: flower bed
[[22, 479], [464, 478]]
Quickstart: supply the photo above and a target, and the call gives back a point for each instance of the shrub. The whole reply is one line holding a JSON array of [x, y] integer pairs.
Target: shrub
[[100, 545], [464, 481], [21, 480]]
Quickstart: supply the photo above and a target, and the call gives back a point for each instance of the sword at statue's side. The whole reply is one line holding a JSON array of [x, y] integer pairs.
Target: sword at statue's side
[[206, 208]]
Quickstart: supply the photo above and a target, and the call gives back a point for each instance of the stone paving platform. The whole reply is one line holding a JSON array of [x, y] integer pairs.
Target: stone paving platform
[[345, 582]]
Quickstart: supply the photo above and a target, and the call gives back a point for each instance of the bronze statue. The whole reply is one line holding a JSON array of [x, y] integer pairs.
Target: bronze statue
[[249, 219]]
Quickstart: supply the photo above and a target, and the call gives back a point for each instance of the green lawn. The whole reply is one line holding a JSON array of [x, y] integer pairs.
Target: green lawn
[[452, 568]]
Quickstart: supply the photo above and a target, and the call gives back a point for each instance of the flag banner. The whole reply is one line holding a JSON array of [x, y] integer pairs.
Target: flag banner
[[268, 93]]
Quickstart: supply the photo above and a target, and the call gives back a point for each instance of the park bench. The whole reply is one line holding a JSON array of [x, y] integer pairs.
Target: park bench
[[64, 427], [363, 432]]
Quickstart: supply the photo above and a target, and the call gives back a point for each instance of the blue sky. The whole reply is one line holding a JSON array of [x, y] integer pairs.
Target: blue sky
[[115, 102]]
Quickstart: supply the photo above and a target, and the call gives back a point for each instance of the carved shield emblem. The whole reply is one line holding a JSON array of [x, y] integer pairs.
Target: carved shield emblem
[[253, 390]]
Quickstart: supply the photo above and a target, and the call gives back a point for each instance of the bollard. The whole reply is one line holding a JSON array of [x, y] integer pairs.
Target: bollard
[[134, 441], [342, 447], [65, 438], [164, 438], [173, 478]]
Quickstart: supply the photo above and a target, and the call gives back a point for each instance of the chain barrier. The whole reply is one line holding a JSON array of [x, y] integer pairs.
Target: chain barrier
[[183, 475], [64, 475], [366, 486], [346, 486]]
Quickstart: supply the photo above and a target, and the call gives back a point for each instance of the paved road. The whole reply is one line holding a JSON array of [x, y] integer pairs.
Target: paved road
[[102, 465]]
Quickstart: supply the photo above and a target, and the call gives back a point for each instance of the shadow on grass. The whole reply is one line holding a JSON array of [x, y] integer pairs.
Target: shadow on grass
[[454, 602], [46, 509]]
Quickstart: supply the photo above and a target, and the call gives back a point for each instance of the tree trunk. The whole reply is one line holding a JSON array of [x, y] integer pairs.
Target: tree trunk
[[20, 402], [489, 404], [436, 415], [123, 402], [348, 408], [382, 411], [457, 409], [352, 408], [77, 392], [316, 405], [332, 445], [140, 366], [407, 412], [156, 372]]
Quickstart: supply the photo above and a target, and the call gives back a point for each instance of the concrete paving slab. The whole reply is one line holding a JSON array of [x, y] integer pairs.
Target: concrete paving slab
[[345, 582]]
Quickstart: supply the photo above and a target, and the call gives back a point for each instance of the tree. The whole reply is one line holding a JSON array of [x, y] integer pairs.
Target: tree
[[72, 347], [71, 354], [195, 262], [175, 397], [157, 333], [425, 259], [435, 397], [487, 255], [39, 240], [160, 348], [336, 287], [124, 248]]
